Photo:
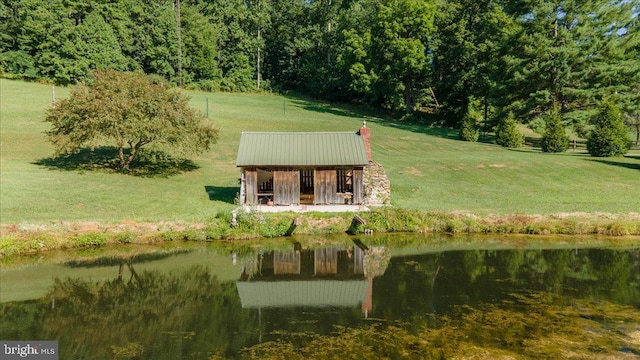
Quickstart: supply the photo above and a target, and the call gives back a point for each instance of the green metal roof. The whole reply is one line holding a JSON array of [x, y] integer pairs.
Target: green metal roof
[[317, 293], [301, 149]]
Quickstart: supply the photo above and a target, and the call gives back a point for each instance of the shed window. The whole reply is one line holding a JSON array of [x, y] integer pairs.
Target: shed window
[[345, 180]]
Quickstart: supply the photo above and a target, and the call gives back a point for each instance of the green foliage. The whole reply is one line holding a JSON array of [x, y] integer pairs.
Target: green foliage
[[507, 133], [568, 54], [90, 239], [554, 139], [467, 49], [125, 237], [395, 220], [609, 137], [400, 55], [469, 130], [18, 63], [128, 111], [399, 36], [254, 224], [154, 303]]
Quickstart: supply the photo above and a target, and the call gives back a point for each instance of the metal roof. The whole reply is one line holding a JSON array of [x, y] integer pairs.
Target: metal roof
[[301, 149], [319, 293]]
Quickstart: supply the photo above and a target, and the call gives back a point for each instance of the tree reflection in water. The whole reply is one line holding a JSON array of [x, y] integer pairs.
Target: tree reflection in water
[[516, 304]]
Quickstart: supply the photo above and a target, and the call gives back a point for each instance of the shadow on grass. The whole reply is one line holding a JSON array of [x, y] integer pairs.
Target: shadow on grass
[[225, 194], [424, 124], [148, 164], [621, 163]]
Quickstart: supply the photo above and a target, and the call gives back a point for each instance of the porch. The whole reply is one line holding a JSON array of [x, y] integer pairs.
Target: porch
[[301, 208]]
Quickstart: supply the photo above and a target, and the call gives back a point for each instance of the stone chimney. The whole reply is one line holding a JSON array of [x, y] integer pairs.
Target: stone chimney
[[365, 132]]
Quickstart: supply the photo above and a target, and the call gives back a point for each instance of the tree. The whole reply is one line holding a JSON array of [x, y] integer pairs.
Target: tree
[[128, 111], [235, 44], [609, 137], [400, 42], [288, 40], [468, 37], [568, 53], [554, 138], [507, 134], [469, 130], [633, 121]]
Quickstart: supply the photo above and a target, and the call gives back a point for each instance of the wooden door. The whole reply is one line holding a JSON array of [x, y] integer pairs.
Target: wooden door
[[286, 187], [325, 187]]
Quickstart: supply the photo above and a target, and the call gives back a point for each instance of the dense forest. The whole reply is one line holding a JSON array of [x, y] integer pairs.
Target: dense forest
[[454, 59]]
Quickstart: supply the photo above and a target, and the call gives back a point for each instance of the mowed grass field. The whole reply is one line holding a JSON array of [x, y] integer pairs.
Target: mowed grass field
[[429, 168]]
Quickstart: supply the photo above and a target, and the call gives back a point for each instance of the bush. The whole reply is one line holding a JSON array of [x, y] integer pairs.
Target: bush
[[18, 63], [554, 139], [90, 239], [469, 130], [507, 134], [125, 237], [609, 137]]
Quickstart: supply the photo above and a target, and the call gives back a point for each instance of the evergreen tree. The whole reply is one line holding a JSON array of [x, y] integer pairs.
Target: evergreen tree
[[554, 138], [609, 136], [507, 134], [567, 53], [469, 130]]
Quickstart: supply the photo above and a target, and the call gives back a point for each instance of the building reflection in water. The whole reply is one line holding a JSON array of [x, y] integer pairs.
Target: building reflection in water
[[321, 277]]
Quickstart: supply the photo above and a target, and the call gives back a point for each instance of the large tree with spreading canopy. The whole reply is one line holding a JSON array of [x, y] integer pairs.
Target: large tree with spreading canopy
[[129, 111]]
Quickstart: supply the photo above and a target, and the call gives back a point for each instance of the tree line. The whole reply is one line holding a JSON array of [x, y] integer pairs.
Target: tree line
[[457, 60]]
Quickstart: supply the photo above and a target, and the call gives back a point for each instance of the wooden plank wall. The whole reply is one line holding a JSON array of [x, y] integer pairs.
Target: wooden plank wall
[[251, 186], [286, 187], [325, 261], [358, 186], [325, 187], [286, 262]]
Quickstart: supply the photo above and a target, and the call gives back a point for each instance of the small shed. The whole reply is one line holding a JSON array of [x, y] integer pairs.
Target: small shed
[[291, 168]]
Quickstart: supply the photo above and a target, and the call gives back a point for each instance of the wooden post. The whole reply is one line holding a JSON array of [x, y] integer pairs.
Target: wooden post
[[355, 224], [296, 222]]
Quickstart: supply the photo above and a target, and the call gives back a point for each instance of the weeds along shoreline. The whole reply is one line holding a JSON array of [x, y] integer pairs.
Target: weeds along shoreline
[[19, 239]]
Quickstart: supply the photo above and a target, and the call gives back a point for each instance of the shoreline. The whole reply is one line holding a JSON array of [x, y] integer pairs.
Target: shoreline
[[25, 238]]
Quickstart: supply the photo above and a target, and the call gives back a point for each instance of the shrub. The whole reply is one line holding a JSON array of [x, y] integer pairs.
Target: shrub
[[125, 237], [90, 239], [507, 134], [609, 137], [554, 139], [469, 130]]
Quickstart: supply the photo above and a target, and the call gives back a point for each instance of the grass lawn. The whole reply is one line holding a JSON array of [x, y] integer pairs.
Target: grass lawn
[[429, 168]]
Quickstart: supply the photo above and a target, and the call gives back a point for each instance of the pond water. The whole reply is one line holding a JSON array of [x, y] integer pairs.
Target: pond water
[[203, 303]]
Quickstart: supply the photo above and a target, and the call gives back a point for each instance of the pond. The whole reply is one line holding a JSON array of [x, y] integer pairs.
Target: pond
[[358, 297]]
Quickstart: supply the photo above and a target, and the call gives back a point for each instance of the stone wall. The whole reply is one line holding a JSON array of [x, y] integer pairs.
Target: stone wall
[[377, 188]]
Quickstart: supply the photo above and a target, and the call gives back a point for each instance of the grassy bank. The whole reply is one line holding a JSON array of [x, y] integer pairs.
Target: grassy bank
[[428, 168], [24, 239]]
